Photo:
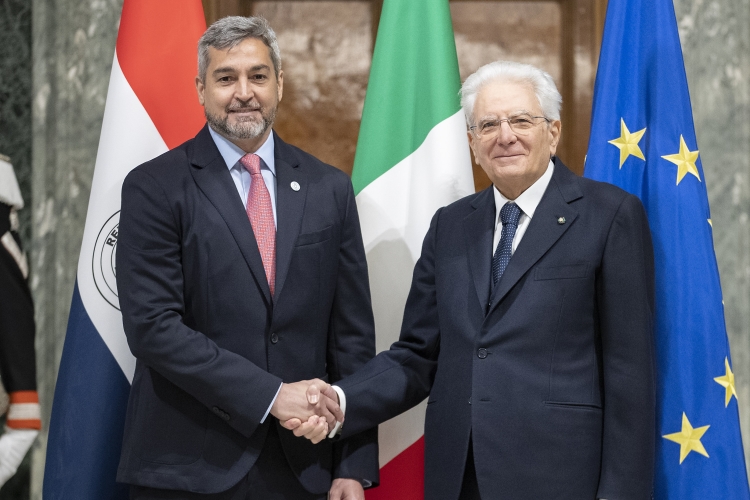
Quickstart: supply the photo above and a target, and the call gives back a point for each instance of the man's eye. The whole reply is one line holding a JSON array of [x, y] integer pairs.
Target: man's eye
[[259, 77], [521, 121], [486, 126]]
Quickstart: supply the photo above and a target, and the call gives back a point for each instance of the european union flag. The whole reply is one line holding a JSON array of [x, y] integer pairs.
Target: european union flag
[[643, 140]]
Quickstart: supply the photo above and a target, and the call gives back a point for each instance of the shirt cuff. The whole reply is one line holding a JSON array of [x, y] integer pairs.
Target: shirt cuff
[[271, 405], [342, 404]]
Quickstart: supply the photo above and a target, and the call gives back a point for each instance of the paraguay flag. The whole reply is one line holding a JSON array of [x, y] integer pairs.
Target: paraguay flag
[[412, 158], [151, 107], [643, 140]]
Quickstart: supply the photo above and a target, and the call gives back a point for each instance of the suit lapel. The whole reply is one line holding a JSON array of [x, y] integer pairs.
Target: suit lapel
[[478, 232], [214, 180], [544, 229], [290, 206]]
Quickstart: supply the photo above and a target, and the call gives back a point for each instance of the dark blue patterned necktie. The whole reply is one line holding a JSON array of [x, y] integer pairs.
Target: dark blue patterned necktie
[[509, 215]]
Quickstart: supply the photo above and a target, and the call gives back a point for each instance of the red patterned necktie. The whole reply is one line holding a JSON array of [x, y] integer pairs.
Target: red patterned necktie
[[260, 213]]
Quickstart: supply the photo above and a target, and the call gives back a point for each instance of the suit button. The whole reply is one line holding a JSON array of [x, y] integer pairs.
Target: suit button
[[221, 413], [482, 353], [274, 338]]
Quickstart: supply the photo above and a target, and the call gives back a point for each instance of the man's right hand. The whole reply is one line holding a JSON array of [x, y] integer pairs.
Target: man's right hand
[[315, 429], [311, 429], [299, 401]]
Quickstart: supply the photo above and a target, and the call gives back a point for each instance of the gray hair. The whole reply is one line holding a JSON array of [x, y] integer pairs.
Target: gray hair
[[542, 83], [229, 31]]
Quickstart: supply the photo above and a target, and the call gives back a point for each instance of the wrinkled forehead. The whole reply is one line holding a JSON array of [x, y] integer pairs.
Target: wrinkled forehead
[[252, 50], [504, 97]]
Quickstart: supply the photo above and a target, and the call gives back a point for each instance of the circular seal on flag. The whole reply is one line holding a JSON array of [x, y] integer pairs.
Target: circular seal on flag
[[103, 262]]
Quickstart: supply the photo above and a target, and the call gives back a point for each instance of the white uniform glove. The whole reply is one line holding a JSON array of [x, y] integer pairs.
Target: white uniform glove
[[14, 444]]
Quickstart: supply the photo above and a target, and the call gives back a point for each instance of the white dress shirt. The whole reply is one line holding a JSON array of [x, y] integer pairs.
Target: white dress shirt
[[526, 201]]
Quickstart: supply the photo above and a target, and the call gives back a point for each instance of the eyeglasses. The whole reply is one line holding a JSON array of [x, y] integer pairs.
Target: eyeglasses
[[520, 124]]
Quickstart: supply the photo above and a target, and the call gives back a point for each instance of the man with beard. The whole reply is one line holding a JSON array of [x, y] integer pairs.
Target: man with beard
[[241, 270]]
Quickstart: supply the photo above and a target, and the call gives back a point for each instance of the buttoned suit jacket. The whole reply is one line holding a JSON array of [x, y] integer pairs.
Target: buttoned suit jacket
[[550, 374], [212, 345]]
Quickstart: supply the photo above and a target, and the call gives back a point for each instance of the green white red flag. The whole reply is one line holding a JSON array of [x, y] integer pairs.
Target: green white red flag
[[412, 158]]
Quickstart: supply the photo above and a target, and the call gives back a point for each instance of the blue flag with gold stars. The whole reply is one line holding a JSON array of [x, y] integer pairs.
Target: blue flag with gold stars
[[643, 140]]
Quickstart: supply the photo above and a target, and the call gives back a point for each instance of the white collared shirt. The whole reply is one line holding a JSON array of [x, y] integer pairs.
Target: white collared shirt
[[241, 177], [527, 202]]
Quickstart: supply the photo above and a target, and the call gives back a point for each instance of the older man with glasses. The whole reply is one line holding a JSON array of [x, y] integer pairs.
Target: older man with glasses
[[529, 321]]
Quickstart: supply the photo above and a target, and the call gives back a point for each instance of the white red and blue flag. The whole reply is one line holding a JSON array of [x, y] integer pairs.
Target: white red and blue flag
[[151, 107]]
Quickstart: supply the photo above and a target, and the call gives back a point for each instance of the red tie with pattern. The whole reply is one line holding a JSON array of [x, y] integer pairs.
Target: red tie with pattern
[[260, 213]]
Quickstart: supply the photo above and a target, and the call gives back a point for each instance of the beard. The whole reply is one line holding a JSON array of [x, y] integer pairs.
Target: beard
[[247, 128]]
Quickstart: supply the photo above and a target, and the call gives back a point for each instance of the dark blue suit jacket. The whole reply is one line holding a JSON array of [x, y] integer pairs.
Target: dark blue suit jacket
[[212, 346], [551, 373]]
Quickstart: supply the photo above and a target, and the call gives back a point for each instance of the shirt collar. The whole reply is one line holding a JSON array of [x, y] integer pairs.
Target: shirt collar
[[529, 199], [232, 153]]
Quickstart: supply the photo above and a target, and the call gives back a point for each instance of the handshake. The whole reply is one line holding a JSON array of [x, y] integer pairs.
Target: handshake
[[310, 408]]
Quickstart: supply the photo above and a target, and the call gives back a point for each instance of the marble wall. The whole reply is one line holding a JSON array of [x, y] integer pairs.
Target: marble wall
[[73, 44], [326, 49], [73, 48]]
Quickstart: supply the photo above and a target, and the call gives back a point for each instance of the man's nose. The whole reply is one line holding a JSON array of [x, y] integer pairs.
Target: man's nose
[[244, 90], [505, 134]]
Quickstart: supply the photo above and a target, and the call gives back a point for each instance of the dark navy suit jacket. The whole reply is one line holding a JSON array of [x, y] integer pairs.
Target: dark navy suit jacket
[[212, 345], [551, 373]]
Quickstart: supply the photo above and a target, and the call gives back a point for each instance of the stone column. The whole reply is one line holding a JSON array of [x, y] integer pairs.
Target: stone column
[[15, 97], [73, 49], [715, 37], [15, 139]]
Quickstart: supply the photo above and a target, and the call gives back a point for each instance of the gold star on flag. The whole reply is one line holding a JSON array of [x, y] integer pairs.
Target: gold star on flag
[[627, 143], [689, 438], [710, 222], [685, 161], [727, 382]]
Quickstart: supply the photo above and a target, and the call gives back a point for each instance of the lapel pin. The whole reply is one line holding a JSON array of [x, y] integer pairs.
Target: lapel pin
[[561, 220], [295, 186]]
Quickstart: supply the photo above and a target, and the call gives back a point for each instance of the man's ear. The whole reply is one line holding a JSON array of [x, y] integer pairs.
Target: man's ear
[[472, 143], [200, 88], [555, 130], [280, 84]]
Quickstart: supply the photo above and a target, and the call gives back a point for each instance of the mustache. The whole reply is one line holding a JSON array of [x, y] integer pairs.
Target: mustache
[[243, 107]]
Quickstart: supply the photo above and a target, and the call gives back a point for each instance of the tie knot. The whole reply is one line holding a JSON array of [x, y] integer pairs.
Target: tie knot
[[510, 213], [251, 162]]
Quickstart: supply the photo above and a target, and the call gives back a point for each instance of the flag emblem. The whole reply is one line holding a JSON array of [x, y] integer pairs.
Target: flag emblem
[[103, 261]]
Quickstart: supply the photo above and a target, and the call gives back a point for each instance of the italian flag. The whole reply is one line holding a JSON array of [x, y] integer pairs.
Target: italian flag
[[412, 158]]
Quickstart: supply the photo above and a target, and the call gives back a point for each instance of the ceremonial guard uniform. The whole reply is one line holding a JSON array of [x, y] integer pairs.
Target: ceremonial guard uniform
[[17, 357]]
